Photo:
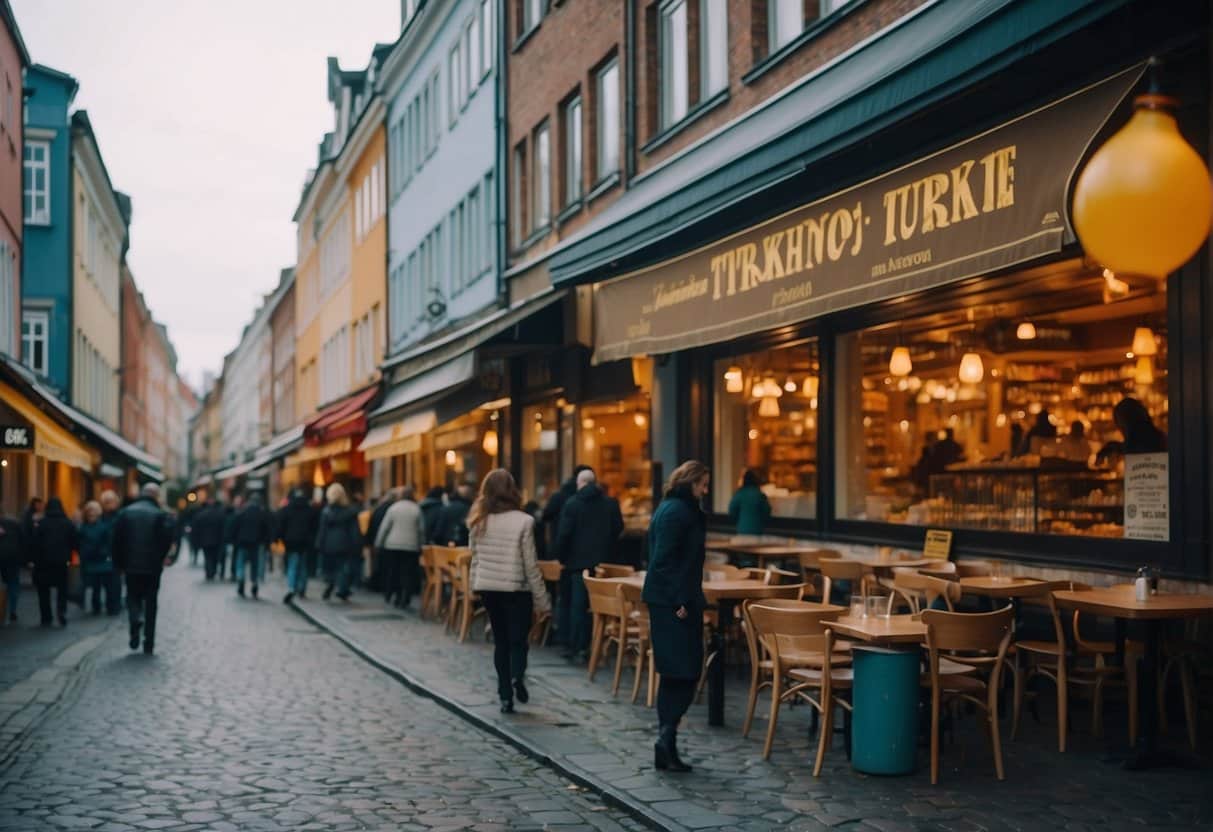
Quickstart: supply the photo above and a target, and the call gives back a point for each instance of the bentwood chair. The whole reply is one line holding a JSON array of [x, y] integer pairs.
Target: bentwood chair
[[541, 628], [640, 643], [800, 647], [613, 570], [436, 561], [611, 626], [980, 641], [464, 602], [853, 571], [920, 592]]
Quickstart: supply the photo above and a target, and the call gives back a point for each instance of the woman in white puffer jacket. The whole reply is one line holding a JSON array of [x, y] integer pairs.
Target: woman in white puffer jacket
[[507, 577]]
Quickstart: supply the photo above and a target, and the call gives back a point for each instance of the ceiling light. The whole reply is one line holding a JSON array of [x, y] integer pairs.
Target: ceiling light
[[1026, 331], [768, 407], [1143, 341], [972, 371], [790, 385], [733, 380], [900, 364]]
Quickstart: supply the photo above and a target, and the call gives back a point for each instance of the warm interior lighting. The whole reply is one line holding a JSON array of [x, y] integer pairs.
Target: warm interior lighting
[[450, 458], [1026, 331], [810, 387], [640, 419], [768, 407], [490, 443], [1143, 373], [900, 364], [972, 371], [733, 381], [790, 385], [587, 423], [642, 372], [1115, 286], [1143, 342]]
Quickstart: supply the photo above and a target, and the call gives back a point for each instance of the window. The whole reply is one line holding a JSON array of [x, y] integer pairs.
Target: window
[[785, 23], [1024, 422], [487, 225], [37, 183], [487, 45], [471, 45], [436, 112], [830, 6], [455, 70], [713, 47], [673, 62], [9, 301], [542, 194], [572, 151], [607, 125], [518, 202], [532, 13]]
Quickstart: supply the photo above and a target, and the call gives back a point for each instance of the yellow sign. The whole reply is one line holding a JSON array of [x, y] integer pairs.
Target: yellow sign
[[938, 545]]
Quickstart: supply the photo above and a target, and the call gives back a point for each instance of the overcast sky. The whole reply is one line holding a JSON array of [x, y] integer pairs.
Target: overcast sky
[[208, 113]]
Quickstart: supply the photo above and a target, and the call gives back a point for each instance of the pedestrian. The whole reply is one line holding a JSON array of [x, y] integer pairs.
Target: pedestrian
[[97, 558], [339, 542], [208, 532], [110, 506], [590, 525], [452, 527], [548, 530], [372, 530], [253, 532], [673, 591], [30, 518], [297, 531], [431, 507], [55, 538], [398, 546], [228, 557], [143, 538], [749, 510], [506, 574], [12, 557]]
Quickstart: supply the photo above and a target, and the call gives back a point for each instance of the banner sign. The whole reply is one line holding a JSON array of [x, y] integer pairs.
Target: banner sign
[[989, 202], [16, 438]]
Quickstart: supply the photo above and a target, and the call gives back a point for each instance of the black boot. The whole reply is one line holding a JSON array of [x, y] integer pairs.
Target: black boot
[[134, 642], [665, 751]]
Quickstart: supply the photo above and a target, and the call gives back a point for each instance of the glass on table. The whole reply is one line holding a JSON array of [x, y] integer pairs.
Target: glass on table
[[998, 571], [858, 607], [876, 605]]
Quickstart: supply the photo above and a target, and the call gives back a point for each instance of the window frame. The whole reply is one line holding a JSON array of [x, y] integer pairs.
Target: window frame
[[674, 99], [774, 21], [541, 176], [29, 194], [573, 149], [706, 52], [601, 171]]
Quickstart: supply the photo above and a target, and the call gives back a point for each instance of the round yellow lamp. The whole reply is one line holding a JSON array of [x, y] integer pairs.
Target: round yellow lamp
[[1143, 203], [972, 370], [900, 364]]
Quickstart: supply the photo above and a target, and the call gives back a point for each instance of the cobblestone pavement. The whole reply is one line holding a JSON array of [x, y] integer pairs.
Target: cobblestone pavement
[[579, 725], [249, 718]]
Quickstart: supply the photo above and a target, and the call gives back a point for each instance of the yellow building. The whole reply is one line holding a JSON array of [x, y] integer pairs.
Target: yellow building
[[340, 283]]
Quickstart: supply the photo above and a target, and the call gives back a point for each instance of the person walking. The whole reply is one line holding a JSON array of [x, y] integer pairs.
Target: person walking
[[372, 531], [297, 531], [208, 530], [97, 558], [142, 540], [339, 541], [452, 527], [227, 556], [590, 525], [506, 573], [252, 534], [431, 507], [398, 546], [55, 538], [749, 510], [673, 591], [110, 506], [12, 558], [549, 529]]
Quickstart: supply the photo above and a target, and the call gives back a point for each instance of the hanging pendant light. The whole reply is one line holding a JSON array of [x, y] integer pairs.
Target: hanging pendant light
[[1026, 331], [810, 387], [1143, 203], [790, 385], [1143, 342], [450, 458], [900, 364], [1143, 372], [768, 407], [490, 443], [972, 371], [733, 380]]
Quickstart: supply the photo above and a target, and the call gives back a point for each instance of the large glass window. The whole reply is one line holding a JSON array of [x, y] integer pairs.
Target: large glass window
[[615, 443], [766, 424], [673, 62], [1017, 414], [541, 198], [540, 452]]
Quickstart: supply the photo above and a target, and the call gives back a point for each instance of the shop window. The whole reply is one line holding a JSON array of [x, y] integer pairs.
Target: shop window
[[540, 452], [766, 423], [615, 443], [1019, 415]]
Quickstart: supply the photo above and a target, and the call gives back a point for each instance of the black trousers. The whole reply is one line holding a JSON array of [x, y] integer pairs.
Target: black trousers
[[510, 617], [141, 592], [401, 574], [45, 580], [674, 697], [211, 557]]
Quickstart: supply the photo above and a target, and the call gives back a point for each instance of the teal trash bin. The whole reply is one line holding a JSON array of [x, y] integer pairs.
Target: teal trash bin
[[884, 723]]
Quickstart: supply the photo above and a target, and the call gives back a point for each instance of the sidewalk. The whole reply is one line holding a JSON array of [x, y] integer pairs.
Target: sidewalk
[[607, 743]]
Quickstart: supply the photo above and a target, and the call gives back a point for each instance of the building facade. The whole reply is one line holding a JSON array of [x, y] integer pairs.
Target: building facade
[[13, 61], [282, 337]]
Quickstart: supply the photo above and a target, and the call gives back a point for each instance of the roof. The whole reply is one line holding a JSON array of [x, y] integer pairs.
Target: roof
[[10, 20], [81, 123]]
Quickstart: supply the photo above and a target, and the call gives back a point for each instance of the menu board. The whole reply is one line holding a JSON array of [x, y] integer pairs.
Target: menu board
[[938, 545], [1147, 497]]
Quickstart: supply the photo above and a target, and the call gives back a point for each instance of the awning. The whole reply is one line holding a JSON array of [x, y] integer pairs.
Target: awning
[[111, 471], [343, 418], [310, 453], [449, 376], [233, 471], [426, 356], [151, 473], [204, 480], [50, 440], [400, 437]]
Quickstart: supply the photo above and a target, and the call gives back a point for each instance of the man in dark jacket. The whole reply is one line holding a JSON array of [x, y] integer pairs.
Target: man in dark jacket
[[297, 531], [227, 554], [12, 558], [54, 541], [452, 526], [431, 507], [372, 531], [590, 524], [208, 532], [143, 538], [550, 520], [254, 531]]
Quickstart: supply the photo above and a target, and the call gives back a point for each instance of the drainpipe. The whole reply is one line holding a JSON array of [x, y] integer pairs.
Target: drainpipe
[[501, 123], [629, 25]]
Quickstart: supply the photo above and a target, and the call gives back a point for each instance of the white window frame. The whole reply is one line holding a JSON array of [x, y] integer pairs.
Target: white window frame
[[674, 69], [487, 45], [573, 150], [32, 318], [785, 22], [713, 57], [541, 180], [606, 99], [471, 45], [455, 71], [33, 215], [532, 14]]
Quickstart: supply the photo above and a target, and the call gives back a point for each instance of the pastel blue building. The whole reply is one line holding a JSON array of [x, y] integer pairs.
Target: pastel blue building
[[46, 281], [439, 83]]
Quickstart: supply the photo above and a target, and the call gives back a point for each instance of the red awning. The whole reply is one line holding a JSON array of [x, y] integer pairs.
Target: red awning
[[343, 418]]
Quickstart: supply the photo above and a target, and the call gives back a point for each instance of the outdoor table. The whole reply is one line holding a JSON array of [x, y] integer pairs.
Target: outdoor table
[[883, 630], [763, 552], [1120, 603], [1010, 588]]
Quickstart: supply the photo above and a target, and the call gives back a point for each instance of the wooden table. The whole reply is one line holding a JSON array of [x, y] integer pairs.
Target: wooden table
[[1120, 602], [991, 587], [763, 552], [885, 630]]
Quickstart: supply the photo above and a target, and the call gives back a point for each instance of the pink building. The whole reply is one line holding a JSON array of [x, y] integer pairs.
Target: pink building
[[13, 60]]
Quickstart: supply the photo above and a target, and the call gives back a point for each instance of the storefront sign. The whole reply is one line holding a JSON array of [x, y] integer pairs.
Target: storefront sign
[[1147, 497], [992, 201], [16, 437]]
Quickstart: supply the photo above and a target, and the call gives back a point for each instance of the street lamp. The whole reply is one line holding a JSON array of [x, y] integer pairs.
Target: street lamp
[[1143, 203]]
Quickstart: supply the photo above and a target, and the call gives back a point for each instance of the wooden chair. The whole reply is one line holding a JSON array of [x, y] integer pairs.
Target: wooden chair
[[637, 613], [728, 572], [613, 570], [777, 577], [920, 592], [1058, 661], [979, 640], [541, 626], [611, 624], [844, 570], [464, 602], [974, 568], [435, 560], [800, 647], [809, 560]]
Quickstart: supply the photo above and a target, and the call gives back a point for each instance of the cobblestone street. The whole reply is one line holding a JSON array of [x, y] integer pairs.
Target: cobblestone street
[[248, 718]]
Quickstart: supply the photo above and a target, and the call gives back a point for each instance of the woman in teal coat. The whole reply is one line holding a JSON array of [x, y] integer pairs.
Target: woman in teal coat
[[749, 509], [97, 558]]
